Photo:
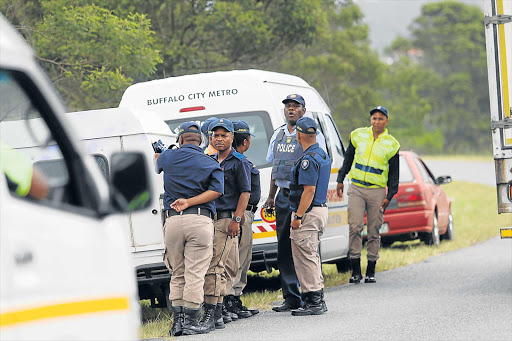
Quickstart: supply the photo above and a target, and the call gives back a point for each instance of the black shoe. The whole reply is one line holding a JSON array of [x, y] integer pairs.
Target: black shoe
[[234, 305], [177, 321], [286, 307], [219, 321], [314, 305], [226, 315], [370, 272], [243, 307], [191, 325], [356, 271], [208, 320]]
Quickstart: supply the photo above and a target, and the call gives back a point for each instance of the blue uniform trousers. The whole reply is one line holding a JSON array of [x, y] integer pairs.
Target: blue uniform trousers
[[289, 281]]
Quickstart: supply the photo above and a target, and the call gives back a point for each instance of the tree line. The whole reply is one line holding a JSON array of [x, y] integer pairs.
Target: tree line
[[435, 88]]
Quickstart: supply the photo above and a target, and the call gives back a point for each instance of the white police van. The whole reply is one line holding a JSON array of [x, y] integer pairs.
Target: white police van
[[65, 266], [253, 96]]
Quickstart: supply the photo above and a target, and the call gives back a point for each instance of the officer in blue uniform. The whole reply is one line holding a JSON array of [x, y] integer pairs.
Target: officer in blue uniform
[[283, 151], [308, 201], [230, 211], [192, 180]]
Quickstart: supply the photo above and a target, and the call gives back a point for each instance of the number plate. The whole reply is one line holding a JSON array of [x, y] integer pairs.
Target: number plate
[[383, 229]]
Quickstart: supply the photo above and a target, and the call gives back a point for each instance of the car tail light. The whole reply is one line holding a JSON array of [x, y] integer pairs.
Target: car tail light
[[192, 109], [411, 200]]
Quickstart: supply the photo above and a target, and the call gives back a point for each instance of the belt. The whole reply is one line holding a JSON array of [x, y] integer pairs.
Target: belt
[[252, 208], [191, 210], [223, 214], [285, 191], [311, 207]]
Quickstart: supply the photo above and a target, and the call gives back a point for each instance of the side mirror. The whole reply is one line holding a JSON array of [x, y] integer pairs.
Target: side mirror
[[130, 185], [445, 179]]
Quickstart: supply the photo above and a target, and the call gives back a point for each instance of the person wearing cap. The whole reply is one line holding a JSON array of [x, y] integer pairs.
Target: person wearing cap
[[308, 202], [192, 180], [230, 212], [236, 285], [373, 162], [284, 150], [208, 148]]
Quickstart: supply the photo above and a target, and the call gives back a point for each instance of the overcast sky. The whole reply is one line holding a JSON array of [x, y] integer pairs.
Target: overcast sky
[[389, 18]]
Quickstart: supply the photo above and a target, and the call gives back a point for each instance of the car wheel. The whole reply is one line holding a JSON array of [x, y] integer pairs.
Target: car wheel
[[450, 233], [432, 238], [344, 265]]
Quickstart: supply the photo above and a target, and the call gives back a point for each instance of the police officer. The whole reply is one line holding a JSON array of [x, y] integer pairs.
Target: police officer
[[208, 148], [229, 217], [283, 151], [308, 198], [242, 142], [192, 180], [373, 162]]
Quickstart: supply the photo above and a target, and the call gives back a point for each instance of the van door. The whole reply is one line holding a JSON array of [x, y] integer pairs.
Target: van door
[[70, 274]]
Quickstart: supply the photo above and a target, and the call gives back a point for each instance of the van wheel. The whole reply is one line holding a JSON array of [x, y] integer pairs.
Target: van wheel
[[450, 233], [433, 238], [344, 265]]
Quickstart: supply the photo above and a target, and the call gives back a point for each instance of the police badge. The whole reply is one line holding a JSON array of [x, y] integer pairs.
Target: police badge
[[304, 164]]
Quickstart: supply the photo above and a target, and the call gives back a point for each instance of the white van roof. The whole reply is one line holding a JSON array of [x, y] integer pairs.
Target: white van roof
[[220, 92], [117, 122]]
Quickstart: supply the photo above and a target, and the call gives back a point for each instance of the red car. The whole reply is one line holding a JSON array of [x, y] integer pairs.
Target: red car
[[421, 208]]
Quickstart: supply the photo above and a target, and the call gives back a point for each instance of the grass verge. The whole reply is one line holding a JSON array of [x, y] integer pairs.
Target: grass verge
[[475, 219]]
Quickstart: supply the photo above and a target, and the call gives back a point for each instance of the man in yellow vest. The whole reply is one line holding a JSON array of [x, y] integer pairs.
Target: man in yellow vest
[[372, 159]]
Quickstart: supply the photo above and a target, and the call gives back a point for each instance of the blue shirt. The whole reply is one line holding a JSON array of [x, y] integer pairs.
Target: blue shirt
[[188, 172], [237, 179], [320, 139], [313, 169]]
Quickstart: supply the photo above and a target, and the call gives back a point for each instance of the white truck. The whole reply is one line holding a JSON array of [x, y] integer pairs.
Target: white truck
[[498, 36], [65, 265], [253, 96]]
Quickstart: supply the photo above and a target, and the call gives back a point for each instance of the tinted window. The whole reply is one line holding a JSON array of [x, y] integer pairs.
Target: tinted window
[[332, 135], [259, 124], [405, 171], [424, 174]]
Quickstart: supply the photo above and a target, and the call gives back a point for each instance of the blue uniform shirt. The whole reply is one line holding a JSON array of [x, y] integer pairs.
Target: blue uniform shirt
[[255, 197], [311, 170], [188, 172], [237, 179]]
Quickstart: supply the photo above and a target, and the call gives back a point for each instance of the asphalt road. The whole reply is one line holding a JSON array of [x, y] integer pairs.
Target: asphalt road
[[481, 172], [460, 295]]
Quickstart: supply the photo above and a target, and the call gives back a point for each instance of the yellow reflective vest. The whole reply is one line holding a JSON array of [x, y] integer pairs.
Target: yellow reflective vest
[[370, 167]]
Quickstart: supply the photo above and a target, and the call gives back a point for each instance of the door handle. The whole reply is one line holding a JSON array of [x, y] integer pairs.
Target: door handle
[[22, 256]]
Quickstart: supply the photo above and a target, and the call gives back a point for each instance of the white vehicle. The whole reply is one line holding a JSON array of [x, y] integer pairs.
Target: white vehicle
[[253, 96], [124, 129], [65, 266], [498, 36]]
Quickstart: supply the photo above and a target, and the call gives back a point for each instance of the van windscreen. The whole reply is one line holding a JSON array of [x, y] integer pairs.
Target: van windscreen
[[259, 124]]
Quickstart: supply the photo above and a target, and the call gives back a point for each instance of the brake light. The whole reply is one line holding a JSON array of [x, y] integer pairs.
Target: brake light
[[411, 200], [192, 109]]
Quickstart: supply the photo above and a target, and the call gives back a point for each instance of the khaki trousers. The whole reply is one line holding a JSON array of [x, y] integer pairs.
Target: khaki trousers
[[237, 284], [305, 242], [215, 279], [189, 247], [359, 200]]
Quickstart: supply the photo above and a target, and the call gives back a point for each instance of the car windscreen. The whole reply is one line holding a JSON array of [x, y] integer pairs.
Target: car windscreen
[[405, 171], [259, 124]]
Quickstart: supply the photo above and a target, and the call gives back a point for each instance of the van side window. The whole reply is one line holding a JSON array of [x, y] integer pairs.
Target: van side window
[[332, 132], [25, 133]]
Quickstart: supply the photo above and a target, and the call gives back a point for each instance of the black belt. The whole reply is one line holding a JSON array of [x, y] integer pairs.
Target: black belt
[[252, 208], [311, 207], [285, 191], [191, 210], [223, 214]]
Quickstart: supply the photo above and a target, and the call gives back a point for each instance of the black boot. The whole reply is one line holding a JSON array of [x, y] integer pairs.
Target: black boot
[[370, 272], [191, 325], [207, 323], [289, 305], [323, 302], [239, 304], [226, 315], [233, 306], [356, 270], [313, 306], [219, 321], [177, 321]]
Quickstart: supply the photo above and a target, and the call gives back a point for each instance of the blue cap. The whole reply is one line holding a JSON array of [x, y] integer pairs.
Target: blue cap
[[187, 128], [241, 127], [206, 124], [304, 125], [380, 109], [223, 122], [295, 98]]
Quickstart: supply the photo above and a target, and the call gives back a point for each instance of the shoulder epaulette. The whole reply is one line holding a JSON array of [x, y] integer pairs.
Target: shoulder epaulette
[[238, 155]]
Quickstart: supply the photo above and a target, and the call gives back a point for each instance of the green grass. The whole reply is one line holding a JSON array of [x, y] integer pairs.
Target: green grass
[[475, 219]]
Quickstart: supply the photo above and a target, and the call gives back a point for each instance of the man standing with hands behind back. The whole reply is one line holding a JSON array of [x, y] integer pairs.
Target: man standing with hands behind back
[[373, 162]]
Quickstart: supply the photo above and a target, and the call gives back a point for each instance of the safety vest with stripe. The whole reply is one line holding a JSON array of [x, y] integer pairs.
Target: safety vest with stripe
[[370, 167]]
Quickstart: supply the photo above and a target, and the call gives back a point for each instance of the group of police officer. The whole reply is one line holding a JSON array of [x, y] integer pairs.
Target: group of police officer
[[212, 193]]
